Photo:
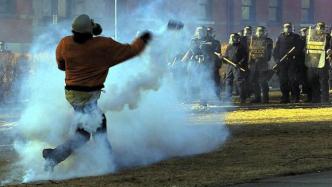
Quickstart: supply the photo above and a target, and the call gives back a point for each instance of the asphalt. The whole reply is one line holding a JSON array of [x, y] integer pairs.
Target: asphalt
[[319, 179]]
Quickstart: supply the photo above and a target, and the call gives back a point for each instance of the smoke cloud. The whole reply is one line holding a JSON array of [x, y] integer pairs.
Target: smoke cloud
[[146, 121]]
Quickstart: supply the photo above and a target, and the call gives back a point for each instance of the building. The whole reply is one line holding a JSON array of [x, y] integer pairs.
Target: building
[[271, 13], [21, 19], [231, 15]]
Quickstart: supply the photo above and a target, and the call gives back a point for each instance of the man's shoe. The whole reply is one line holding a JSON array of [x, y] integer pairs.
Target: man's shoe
[[284, 101], [266, 101], [50, 161]]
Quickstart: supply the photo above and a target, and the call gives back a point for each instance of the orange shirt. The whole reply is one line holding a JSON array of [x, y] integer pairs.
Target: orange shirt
[[87, 64]]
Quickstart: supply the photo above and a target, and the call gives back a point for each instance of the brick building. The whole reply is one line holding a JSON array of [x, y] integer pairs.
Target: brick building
[[231, 15], [19, 19], [269, 13]]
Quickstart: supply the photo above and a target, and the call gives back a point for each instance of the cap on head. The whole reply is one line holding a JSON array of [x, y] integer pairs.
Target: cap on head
[[83, 24]]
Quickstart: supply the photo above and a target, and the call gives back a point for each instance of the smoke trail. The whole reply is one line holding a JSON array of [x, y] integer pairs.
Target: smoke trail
[[146, 122]]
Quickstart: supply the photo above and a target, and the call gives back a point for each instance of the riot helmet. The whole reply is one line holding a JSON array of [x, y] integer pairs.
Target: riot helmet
[[287, 28], [2, 46], [200, 33], [320, 27], [303, 31], [247, 31], [260, 32], [234, 38], [210, 32]]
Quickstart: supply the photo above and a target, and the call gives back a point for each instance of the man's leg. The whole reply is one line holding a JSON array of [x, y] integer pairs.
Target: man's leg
[[284, 84], [63, 151], [217, 83], [254, 83], [330, 78], [324, 84], [102, 132], [314, 84], [241, 85], [264, 85], [229, 85], [307, 87], [294, 84]]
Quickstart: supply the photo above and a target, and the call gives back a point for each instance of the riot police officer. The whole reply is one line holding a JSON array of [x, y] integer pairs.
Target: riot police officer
[[195, 52], [288, 70], [316, 51], [236, 53], [260, 52], [303, 74], [247, 33], [329, 58], [212, 46], [203, 66], [6, 71]]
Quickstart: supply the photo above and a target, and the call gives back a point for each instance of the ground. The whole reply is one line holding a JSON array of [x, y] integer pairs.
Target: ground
[[265, 141]]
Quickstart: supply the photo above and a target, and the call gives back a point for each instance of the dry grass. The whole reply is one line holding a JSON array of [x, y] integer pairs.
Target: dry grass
[[279, 116], [264, 143]]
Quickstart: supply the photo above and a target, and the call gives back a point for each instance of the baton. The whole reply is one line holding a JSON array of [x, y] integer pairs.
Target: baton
[[283, 58], [229, 61]]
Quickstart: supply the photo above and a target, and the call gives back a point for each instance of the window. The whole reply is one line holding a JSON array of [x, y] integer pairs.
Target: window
[[7, 6], [248, 10], [206, 9], [274, 10], [306, 11]]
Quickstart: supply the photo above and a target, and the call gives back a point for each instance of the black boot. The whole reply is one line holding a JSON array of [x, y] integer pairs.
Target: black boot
[[266, 98], [50, 160], [256, 100]]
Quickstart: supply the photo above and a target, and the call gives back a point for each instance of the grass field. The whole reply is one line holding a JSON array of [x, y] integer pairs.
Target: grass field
[[263, 143]]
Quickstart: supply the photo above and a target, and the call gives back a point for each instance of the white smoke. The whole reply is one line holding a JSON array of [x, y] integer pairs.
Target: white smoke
[[146, 120]]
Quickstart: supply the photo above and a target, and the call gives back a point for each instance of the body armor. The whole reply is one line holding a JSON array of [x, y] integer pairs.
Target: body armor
[[315, 56], [203, 51], [258, 48]]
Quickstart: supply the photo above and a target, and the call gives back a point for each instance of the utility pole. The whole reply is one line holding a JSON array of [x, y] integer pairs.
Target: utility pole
[[116, 19], [54, 11]]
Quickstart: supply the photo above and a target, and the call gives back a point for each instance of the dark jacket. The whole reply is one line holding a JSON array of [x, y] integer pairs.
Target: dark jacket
[[285, 43], [237, 54]]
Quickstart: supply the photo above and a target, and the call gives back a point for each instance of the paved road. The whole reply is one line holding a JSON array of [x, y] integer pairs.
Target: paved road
[[323, 179]]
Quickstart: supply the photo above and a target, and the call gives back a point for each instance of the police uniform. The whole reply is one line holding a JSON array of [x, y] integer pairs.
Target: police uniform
[[204, 67], [288, 71], [303, 71], [6, 74], [260, 52], [237, 54], [211, 47], [318, 66]]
